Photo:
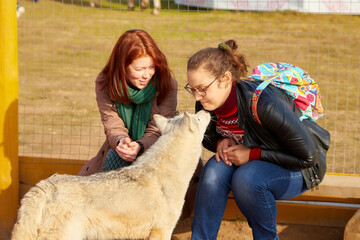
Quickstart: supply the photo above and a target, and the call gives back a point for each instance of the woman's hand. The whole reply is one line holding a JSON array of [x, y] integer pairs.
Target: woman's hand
[[224, 144], [127, 149], [237, 154]]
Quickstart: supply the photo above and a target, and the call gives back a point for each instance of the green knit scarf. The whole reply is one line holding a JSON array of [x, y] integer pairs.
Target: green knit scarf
[[136, 114]]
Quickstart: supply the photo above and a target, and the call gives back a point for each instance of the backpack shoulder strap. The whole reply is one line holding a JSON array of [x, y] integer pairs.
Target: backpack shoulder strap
[[255, 98]]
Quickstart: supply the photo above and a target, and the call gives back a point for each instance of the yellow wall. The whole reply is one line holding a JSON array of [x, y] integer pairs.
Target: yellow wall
[[9, 176]]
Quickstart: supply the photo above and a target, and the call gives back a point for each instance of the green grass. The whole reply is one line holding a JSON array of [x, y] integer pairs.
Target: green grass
[[63, 45]]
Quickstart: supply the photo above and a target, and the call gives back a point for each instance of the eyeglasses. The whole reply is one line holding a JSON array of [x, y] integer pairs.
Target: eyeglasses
[[201, 91]]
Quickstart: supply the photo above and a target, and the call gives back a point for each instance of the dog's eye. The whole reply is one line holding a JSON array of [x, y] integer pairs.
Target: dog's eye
[[198, 119]]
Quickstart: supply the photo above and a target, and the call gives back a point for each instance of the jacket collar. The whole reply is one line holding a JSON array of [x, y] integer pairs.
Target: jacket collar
[[244, 93]]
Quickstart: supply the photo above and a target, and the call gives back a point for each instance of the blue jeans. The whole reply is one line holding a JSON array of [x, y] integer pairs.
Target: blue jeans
[[255, 187]]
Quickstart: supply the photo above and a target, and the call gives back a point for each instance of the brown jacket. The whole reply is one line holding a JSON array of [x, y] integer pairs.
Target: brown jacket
[[115, 129]]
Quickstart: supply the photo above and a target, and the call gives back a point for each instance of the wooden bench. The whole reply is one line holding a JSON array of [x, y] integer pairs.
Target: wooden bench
[[334, 204]]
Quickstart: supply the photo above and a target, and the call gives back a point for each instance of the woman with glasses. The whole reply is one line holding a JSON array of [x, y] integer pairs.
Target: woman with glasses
[[259, 163]]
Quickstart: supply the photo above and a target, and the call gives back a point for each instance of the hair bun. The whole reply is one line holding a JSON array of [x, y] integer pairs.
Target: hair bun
[[230, 45]]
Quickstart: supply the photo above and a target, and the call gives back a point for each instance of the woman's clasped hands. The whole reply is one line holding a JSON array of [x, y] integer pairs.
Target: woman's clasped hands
[[232, 153], [128, 149]]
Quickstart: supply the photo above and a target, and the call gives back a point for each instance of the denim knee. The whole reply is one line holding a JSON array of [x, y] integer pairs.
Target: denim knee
[[245, 187], [216, 175]]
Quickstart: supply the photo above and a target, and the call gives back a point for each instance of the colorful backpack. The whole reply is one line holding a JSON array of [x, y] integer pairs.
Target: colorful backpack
[[295, 82]]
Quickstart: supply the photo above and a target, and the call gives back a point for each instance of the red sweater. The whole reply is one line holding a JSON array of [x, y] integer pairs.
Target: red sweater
[[227, 123]]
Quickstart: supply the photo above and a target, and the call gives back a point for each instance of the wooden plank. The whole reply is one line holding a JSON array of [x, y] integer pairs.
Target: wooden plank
[[301, 214], [319, 198], [338, 186], [314, 214], [32, 170]]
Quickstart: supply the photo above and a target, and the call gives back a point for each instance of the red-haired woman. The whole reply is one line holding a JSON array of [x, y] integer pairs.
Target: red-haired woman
[[135, 84]]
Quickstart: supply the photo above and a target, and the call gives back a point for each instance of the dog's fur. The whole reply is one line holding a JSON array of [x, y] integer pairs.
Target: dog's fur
[[141, 201]]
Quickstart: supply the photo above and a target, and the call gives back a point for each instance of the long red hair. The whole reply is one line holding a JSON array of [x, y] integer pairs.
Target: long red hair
[[130, 46]]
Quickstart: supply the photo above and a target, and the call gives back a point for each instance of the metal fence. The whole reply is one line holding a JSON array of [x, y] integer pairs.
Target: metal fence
[[64, 44]]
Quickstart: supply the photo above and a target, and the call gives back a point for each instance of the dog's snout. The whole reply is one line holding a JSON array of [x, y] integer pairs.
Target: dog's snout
[[205, 116]]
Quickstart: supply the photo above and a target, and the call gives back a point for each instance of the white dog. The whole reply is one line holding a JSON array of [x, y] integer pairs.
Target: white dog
[[141, 201]]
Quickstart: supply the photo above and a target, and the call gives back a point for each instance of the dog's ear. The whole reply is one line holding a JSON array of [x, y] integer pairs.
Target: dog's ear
[[161, 122], [190, 120]]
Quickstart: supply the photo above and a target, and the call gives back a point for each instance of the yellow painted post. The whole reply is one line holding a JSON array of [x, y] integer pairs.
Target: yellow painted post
[[9, 172]]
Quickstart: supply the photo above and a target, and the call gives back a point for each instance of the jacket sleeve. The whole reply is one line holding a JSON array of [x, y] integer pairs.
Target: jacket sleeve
[[166, 108], [211, 137], [114, 126], [283, 124]]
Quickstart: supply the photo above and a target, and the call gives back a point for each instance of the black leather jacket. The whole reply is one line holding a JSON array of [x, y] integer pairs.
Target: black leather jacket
[[282, 137]]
